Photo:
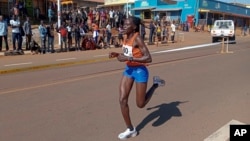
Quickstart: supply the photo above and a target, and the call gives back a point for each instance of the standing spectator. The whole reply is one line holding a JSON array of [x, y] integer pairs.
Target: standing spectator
[[158, 31], [37, 11], [43, 33], [21, 34], [74, 16], [50, 14], [142, 31], [97, 17], [111, 17], [103, 17], [64, 32], [120, 35], [116, 20], [69, 28], [165, 33], [157, 18], [28, 32], [120, 17], [84, 15], [90, 17], [152, 31], [79, 32], [108, 32], [15, 25], [173, 31], [51, 36], [3, 33], [16, 10], [95, 29], [245, 30], [21, 7]]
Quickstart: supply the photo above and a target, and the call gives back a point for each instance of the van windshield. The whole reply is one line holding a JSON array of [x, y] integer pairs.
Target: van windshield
[[224, 24]]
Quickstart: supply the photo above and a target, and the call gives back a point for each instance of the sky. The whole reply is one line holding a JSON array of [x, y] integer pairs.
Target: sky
[[237, 1]]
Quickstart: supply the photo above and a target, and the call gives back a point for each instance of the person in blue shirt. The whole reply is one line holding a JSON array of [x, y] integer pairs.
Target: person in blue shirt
[[3, 33], [43, 33], [50, 14]]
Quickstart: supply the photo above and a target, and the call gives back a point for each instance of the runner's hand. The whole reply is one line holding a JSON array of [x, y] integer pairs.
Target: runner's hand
[[113, 54]]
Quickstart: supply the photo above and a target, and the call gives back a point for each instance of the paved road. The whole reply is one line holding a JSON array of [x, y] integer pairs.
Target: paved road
[[204, 91], [9, 64]]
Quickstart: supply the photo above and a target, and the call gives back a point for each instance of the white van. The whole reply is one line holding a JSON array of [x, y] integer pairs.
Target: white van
[[222, 29]]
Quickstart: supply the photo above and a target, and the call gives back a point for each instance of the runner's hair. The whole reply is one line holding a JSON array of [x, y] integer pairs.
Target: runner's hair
[[136, 21]]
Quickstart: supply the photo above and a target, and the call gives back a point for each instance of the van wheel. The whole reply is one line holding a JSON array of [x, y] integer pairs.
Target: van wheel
[[214, 40], [232, 39]]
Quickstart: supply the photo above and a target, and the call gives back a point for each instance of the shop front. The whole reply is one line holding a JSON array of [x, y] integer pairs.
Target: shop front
[[124, 6], [169, 10], [211, 10]]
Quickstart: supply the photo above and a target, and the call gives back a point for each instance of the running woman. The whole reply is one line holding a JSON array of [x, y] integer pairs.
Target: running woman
[[136, 55]]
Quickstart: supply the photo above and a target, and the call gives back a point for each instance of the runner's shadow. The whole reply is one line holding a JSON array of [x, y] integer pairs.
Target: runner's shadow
[[163, 113]]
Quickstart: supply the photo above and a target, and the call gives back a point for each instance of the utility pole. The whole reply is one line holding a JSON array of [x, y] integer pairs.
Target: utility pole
[[127, 9], [59, 19]]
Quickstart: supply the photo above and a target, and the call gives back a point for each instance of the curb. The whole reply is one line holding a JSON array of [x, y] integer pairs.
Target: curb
[[57, 65]]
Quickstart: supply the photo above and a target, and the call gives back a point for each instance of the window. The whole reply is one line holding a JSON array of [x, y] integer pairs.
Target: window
[[147, 14]]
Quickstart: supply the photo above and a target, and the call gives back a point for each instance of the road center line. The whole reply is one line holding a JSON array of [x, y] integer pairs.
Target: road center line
[[18, 64], [65, 59], [186, 48]]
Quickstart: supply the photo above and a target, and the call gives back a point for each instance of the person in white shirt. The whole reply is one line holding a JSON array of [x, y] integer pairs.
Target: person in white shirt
[[172, 31], [15, 25], [111, 17], [69, 28]]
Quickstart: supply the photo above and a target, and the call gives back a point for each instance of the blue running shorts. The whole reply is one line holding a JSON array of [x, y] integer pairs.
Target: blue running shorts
[[138, 73]]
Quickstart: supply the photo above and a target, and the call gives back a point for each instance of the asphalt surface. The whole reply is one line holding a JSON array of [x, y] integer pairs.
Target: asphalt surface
[[205, 90], [10, 64]]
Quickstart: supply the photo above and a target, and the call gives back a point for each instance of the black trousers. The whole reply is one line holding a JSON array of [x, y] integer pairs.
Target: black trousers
[[6, 42], [28, 40]]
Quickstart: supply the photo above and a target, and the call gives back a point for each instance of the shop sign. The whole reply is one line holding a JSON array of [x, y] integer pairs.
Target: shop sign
[[108, 2], [204, 3]]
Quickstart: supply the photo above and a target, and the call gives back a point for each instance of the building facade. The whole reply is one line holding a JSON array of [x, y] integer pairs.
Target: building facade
[[32, 5], [197, 11]]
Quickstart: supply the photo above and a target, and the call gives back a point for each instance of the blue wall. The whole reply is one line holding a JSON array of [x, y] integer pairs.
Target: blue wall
[[191, 7], [188, 7], [224, 7]]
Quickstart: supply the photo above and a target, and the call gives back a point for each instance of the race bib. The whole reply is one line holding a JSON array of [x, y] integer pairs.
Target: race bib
[[127, 50]]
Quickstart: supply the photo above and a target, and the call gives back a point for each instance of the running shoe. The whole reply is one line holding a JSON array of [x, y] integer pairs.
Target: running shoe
[[158, 80], [127, 134]]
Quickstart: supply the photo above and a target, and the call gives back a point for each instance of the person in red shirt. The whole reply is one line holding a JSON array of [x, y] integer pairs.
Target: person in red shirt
[[136, 56], [64, 34]]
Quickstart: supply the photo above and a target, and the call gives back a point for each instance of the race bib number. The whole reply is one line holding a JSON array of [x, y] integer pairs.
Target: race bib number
[[127, 50]]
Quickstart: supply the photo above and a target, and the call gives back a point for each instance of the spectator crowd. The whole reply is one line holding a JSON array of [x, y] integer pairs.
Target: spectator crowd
[[85, 27]]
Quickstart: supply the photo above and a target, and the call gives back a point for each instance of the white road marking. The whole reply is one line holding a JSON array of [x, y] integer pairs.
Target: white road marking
[[186, 48], [65, 59], [222, 134], [173, 50], [101, 55], [18, 64], [152, 50]]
